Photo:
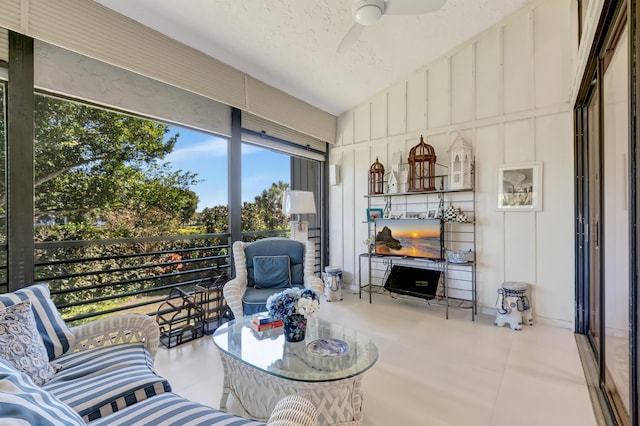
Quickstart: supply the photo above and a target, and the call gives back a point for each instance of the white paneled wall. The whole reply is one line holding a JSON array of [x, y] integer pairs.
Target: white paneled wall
[[508, 92]]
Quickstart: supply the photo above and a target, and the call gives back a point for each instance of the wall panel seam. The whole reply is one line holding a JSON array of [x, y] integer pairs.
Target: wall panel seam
[[532, 55]]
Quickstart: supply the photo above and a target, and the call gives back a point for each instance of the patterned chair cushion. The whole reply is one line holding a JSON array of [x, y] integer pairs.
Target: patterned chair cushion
[[22, 402], [100, 381], [57, 337], [21, 344], [171, 409]]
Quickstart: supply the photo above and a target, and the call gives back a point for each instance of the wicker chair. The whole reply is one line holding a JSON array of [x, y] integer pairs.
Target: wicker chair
[[241, 293]]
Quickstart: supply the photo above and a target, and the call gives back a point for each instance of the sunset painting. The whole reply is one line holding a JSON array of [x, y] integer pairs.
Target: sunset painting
[[409, 237]]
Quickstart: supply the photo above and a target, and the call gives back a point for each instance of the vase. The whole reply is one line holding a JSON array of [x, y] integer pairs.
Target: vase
[[294, 328]]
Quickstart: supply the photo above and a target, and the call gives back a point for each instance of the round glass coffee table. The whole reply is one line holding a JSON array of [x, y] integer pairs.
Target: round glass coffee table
[[326, 368]]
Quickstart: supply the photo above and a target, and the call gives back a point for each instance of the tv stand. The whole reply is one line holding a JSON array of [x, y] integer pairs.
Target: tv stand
[[436, 265], [456, 210]]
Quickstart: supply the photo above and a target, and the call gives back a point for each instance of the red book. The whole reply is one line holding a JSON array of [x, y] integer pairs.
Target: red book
[[264, 327]]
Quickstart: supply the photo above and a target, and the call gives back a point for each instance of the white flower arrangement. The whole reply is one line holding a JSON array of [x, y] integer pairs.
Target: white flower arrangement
[[293, 301]]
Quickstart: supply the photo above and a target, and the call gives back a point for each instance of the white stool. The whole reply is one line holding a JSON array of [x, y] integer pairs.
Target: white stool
[[513, 305]]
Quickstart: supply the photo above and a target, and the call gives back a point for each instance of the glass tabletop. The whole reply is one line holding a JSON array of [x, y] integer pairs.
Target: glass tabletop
[[329, 352]]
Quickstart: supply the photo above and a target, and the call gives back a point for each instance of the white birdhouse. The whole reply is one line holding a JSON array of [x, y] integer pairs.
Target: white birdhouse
[[461, 166], [399, 175], [393, 183], [403, 178]]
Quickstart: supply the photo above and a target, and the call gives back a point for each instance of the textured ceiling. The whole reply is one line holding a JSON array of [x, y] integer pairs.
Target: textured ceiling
[[291, 44]]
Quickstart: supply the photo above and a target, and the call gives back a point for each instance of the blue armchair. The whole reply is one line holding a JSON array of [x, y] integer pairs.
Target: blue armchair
[[266, 267]]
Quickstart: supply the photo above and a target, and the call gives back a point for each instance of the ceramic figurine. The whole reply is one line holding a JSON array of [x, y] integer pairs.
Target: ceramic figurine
[[450, 214], [513, 306], [461, 216]]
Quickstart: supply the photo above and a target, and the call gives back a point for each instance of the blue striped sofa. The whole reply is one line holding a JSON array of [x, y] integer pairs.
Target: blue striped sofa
[[100, 373]]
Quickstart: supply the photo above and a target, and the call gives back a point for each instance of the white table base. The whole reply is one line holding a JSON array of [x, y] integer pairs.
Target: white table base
[[338, 403]]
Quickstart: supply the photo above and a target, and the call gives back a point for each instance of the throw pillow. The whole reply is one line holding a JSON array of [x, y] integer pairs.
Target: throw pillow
[[57, 337], [271, 271], [23, 403], [21, 344]]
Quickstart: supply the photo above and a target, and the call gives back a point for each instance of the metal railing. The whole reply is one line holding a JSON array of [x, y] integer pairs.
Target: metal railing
[[90, 279]]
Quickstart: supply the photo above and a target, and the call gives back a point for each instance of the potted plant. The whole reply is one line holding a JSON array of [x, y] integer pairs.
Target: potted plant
[[293, 306]]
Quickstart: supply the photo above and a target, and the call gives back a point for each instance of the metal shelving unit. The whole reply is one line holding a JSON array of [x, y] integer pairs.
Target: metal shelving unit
[[459, 279]]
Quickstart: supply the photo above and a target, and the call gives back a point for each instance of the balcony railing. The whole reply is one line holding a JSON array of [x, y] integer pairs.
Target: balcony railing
[[90, 279]]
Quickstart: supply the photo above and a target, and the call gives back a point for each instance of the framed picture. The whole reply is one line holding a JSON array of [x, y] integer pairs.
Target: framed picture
[[373, 214], [431, 214], [396, 215], [520, 187]]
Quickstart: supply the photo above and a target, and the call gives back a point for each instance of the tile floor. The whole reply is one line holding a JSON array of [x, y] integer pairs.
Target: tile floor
[[432, 371]]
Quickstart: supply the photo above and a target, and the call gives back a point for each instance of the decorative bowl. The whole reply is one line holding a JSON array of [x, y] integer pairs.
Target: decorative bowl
[[458, 256]]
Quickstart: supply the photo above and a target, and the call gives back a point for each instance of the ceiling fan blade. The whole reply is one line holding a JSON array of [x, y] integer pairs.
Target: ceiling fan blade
[[411, 7], [350, 37]]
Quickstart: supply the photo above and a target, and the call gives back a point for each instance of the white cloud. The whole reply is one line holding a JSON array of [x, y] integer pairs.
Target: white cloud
[[249, 148], [213, 147]]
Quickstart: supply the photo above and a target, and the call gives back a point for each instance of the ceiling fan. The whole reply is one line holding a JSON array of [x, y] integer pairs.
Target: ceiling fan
[[368, 12]]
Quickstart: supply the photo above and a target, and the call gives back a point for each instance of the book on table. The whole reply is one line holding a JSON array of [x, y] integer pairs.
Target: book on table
[[267, 326], [262, 318]]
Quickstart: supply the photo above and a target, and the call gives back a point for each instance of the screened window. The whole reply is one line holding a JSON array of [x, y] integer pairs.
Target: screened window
[[266, 174], [103, 174]]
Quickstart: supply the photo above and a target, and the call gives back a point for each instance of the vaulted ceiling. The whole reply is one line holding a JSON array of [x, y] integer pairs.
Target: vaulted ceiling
[[292, 44]]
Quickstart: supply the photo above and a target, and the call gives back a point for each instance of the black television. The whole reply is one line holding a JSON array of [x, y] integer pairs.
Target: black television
[[413, 281], [419, 238]]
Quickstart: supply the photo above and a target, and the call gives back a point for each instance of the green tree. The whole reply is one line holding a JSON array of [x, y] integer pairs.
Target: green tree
[[188, 206], [215, 219], [90, 161], [265, 213]]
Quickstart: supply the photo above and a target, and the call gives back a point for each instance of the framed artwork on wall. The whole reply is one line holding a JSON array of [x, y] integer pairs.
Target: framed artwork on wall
[[373, 214], [520, 187]]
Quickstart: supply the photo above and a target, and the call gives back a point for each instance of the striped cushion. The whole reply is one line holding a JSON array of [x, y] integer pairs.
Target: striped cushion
[[170, 409], [57, 337], [22, 402], [103, 380]]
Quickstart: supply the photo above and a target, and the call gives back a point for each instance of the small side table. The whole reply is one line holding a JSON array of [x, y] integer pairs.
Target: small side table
[[212, 302]]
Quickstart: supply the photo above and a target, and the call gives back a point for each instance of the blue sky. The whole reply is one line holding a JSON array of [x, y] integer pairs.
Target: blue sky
[[206, 155]]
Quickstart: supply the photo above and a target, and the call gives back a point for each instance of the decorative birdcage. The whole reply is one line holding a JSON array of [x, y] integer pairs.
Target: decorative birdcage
[[422, 163], [376, 178]]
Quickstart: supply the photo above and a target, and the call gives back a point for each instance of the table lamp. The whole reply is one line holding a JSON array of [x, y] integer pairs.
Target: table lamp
[[299, 202]]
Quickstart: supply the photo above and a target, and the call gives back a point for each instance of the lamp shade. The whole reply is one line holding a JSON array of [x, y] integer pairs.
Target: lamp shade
[[298, 202]]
